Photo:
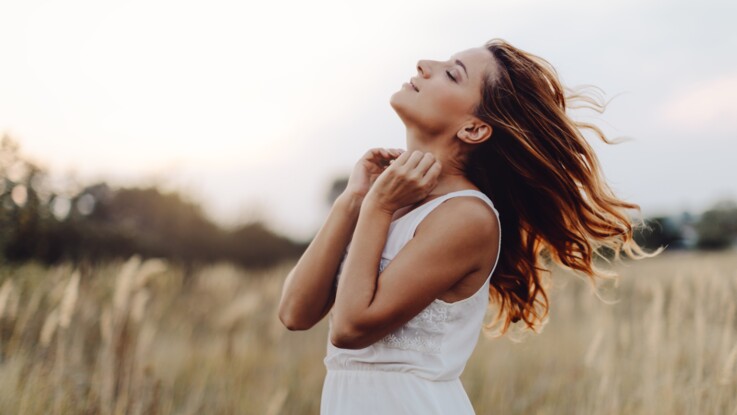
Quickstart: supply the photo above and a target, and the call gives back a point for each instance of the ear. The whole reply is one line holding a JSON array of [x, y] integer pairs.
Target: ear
[[474, 132]]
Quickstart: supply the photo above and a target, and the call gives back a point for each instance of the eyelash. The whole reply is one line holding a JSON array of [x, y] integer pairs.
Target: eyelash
[[451, 76]]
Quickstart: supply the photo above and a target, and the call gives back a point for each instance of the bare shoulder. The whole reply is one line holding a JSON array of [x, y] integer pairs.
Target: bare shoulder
[[465, 232], [470, 216]]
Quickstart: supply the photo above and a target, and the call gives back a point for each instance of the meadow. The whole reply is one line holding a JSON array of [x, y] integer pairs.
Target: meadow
[[146, 337]]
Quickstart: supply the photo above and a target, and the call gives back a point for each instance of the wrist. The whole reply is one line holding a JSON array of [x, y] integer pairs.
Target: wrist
[[349, 202], [373, 204]]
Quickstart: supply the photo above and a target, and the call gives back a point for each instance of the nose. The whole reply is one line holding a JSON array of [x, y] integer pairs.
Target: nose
[[423, 67]]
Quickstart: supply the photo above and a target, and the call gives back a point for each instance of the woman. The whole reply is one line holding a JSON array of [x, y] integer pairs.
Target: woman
[[489, 123]]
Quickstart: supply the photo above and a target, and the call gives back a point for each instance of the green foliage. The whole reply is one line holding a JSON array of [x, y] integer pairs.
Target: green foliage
[[718, 226], [98, 223]]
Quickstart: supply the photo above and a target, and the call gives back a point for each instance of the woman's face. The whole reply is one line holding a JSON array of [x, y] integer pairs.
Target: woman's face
[[443, 94]]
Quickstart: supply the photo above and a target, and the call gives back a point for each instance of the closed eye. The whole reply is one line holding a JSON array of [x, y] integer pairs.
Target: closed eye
[[451, 76]]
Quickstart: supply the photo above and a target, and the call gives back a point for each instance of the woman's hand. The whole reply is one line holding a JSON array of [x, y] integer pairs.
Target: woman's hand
[[368, 168], [409, 179]]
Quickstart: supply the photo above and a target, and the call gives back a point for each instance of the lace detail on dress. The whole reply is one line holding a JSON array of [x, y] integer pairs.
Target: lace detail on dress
[[424, 333]]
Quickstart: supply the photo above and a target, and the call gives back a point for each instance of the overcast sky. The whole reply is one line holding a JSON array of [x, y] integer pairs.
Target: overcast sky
[[254, 108]]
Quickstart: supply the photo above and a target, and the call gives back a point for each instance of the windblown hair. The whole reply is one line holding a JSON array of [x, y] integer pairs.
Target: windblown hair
[[546, 182]]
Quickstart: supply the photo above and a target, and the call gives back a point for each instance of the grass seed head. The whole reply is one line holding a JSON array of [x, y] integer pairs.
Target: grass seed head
[[66, 309]]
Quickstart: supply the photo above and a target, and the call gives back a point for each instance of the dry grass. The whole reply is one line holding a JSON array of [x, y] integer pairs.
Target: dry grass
[[140, 338]]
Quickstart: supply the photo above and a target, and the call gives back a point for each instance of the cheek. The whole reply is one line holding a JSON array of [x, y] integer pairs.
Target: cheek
[[439, 110], [448, 102]]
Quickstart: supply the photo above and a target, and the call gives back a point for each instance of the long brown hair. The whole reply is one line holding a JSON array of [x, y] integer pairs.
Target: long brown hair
[[546, 182]]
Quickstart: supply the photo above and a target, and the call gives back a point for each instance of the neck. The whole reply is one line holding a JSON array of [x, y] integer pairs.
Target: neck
[[449, 153]]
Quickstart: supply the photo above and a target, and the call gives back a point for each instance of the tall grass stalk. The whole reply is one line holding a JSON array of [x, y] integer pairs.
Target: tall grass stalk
[[145, 337]]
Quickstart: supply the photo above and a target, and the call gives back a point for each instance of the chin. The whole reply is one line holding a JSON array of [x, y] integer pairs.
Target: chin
[[393, 100], [397, 106]]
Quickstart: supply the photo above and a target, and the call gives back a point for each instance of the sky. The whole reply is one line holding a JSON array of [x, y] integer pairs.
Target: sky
[[254, 108]]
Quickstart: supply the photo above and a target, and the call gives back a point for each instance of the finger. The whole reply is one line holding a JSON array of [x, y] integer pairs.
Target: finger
[[387, 160], [380, 156], [390, 155], [413, 159], [393, 155], [425, 163], [371, 154], [433, 173], [399, 161], [385, 154], [394, 152]]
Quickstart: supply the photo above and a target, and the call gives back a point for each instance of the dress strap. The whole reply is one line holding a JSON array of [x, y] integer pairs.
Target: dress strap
[[425, 209]]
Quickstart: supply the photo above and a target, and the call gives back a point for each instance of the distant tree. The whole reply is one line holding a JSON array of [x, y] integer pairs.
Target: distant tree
[[717, 227], [162, 224], [256, 246], [24, 212], [98, 223]]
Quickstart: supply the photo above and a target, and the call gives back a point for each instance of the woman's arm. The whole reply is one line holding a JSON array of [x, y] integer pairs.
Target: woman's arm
[[451, 242], [308, 291]]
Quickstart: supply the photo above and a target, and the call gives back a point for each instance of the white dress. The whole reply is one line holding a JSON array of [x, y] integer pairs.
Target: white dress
[[416, 368]]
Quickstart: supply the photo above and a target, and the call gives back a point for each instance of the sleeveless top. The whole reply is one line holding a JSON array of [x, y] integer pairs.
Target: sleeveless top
[[436, 343]]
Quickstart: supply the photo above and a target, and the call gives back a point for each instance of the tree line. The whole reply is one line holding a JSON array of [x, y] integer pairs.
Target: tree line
[[98, 222]]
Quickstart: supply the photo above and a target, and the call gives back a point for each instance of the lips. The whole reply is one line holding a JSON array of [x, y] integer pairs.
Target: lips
[[411, 82]]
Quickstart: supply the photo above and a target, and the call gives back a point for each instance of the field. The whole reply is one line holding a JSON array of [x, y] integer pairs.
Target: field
[[143, 337]]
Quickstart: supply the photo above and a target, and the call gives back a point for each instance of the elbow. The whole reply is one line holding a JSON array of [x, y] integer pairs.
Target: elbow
[[295, 324], [292, 321], [344, 337], [292, 325]]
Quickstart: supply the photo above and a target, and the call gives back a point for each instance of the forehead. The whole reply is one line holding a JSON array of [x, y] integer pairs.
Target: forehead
[[479, 61]]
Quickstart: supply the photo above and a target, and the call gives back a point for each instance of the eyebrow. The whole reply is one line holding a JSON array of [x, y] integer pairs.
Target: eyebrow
[[458, 61]]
